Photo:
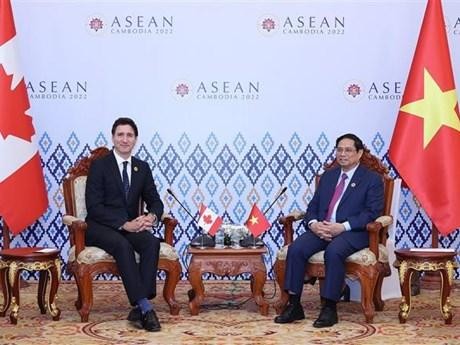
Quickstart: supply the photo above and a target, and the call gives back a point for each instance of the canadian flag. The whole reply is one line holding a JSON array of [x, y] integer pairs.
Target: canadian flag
[[23, 196], [209, 221]]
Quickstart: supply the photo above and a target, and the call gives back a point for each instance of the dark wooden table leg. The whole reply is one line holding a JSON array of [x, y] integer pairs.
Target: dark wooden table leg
[[405, 281], [259, 275], [6, 290], [13, 276], [55, 272], [196, 280], [446, 309], [42, 282]]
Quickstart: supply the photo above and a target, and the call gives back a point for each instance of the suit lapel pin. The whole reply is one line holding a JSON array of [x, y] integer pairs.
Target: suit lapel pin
[[353, 185], [136, 169]]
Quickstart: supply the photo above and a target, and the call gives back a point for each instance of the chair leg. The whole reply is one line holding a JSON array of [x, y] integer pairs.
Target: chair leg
[[279, 268], [367, 293], [72, 271], [85, 292], [78, 302], [378, 302], [173, 271]]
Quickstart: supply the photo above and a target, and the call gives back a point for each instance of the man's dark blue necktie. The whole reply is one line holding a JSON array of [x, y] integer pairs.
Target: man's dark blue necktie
[[125, 179]]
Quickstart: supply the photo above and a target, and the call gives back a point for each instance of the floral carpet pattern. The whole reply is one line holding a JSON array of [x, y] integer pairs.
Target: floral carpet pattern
[[227, 316]]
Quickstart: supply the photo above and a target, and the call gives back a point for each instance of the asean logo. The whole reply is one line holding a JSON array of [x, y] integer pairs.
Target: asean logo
[[353, 90], [181, 90], [267, 25], [95, 24]]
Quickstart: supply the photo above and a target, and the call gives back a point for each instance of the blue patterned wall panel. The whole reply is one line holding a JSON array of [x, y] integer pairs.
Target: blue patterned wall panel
[[228, 177]]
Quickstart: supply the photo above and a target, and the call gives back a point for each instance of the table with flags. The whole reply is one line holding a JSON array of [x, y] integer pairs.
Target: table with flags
[[228, 261]]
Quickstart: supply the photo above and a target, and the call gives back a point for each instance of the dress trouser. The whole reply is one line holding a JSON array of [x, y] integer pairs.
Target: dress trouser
[[336, 252], [139, 279]]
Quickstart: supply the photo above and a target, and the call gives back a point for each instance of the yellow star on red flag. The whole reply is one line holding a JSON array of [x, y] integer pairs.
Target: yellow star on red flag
[[436, 108], [254, 220]]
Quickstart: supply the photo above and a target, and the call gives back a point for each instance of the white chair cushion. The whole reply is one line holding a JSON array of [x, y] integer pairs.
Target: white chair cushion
[[363, 256], [91, 255]]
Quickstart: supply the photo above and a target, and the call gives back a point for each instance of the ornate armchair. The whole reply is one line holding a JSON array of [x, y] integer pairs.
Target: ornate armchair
[[369, 265], [86, 262]]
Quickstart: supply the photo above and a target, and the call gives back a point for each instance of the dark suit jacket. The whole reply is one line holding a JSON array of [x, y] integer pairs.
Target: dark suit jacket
[[105, 200], [361, 203]]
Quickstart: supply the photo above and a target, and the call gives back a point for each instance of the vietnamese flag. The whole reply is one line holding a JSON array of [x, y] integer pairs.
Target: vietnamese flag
[[23, 196], [257, 223], [425, 147]]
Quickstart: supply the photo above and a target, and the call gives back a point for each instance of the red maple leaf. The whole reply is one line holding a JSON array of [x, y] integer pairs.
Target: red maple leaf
[[13, 105], [8, 30], [207, 218]]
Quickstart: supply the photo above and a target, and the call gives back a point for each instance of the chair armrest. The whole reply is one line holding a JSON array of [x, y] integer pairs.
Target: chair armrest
[[385, 220], [377, 233], [68, 219], [287, 221], [77, 229], [170, 223]]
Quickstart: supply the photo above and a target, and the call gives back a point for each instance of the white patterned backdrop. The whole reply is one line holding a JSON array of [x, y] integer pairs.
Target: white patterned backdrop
[[234, 99]]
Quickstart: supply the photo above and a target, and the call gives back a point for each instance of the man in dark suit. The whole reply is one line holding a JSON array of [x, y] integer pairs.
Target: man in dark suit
[[347, 198], [115, 185]]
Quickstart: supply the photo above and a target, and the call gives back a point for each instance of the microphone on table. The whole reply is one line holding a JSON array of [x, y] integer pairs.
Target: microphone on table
[[203, 240], [276, 199], [250, 240]]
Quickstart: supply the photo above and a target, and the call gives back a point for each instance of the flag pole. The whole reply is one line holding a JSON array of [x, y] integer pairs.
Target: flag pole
[[202, 239], [6, 235], [254, 242], [431, 279], [434, 237]]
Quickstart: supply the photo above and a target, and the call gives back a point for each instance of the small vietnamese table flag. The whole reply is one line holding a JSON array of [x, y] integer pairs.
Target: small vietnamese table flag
[[23, 196], [425, 147], [209, 221], [257, 223]]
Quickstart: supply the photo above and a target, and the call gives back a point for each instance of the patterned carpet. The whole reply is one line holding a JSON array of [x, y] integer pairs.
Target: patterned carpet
[[228, 316]]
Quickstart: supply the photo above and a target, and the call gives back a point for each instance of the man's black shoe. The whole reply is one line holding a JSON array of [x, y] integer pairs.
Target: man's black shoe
[[135, 314], [291, 313], [150, 321], [327, 318]]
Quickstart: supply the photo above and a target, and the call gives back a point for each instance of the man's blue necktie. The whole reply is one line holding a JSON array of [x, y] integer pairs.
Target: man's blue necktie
[[125, 178]]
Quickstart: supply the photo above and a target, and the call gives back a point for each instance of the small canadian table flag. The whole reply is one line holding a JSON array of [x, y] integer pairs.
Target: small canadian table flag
[[209, 221], [22, 186]]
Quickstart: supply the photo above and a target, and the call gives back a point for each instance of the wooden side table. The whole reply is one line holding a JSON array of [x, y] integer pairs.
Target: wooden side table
[[31, 259], [226, 261], [408, 261]]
